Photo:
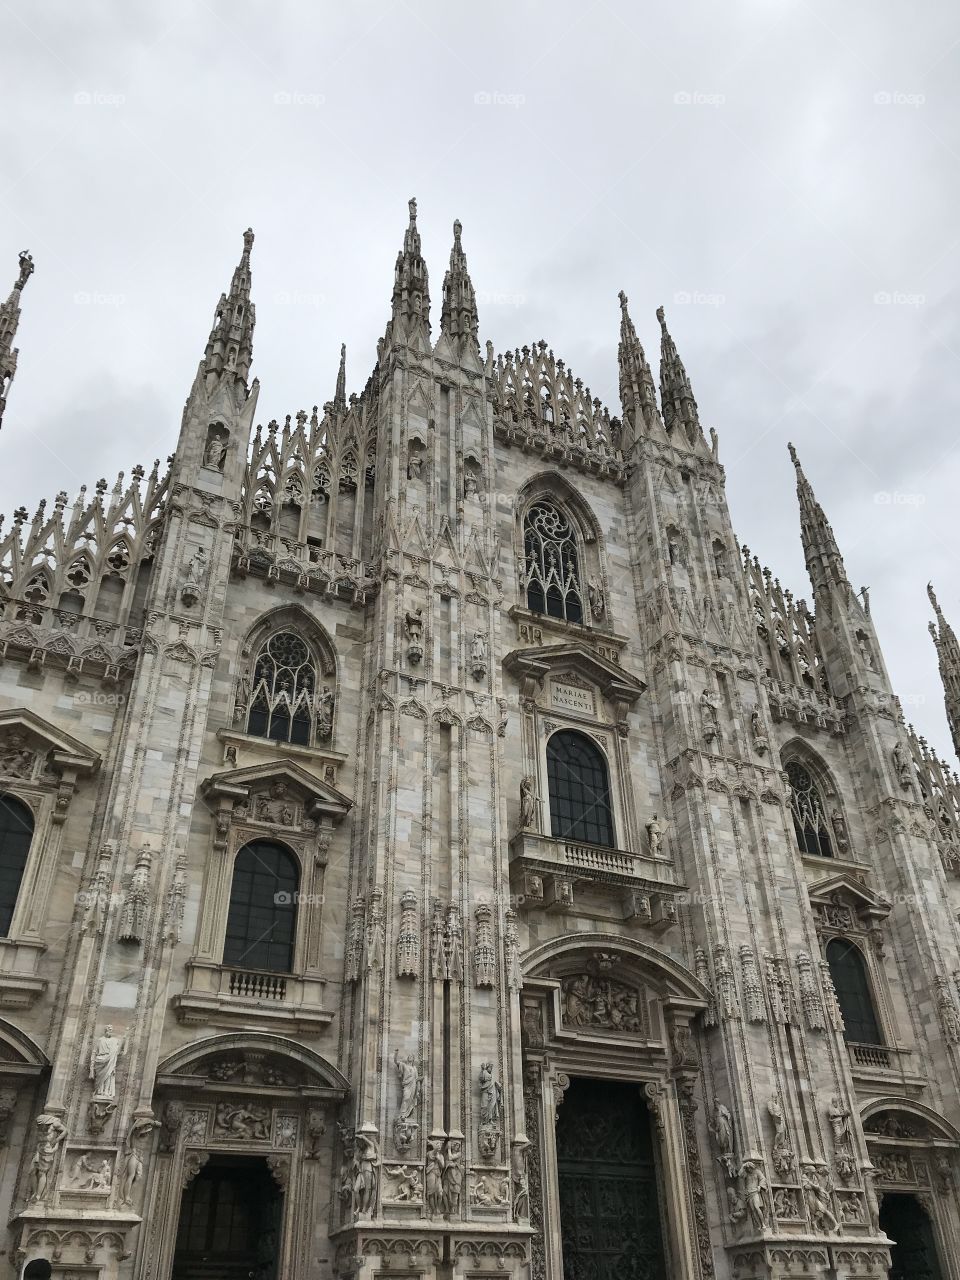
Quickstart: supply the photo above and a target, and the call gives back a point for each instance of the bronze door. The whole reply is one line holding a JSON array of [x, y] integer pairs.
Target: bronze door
[[914, 1252], [610, 1222]]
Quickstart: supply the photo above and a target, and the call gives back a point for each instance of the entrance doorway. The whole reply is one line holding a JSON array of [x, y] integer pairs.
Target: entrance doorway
[[914, 1253], [610, 1223], [230, 1221]]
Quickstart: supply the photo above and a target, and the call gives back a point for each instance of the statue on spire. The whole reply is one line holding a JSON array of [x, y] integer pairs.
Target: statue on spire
[[9, 320]]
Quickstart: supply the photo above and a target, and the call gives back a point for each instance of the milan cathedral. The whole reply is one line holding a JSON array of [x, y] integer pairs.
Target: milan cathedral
[[431, 846]]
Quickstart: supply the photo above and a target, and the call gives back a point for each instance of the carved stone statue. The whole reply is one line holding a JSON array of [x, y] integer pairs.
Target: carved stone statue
[[131, 1166], [216, 451], [194, 575], [453, 1177], [16, 758], [902, 767], [471, 485], [519, 1154], [107, 1051], [760, 743], [413, 627], [491, 1095], [782, 1152], [709, 720], [817, 1197], [408, 1078], [478, 655], [414, 465], [52, 1134], [753, 1186], [598, 604], [654, 836], [721, 1127], [435, 1166], [839, 1123], [367, 1159], [325, 713], [529, 805]]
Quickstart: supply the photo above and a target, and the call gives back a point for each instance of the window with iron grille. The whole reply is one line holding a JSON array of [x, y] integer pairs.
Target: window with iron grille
[[848, 969], [552, 565], [262, 920], [16, 833], [579, 787]]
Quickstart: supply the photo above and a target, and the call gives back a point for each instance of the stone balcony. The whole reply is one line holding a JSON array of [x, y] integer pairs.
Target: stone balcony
[[883, 1065], [545, 873], [226, 995]]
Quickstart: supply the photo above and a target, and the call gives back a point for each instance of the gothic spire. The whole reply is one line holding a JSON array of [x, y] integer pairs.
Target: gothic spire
[[340, 395], [948, 657], [411, 290], [824, 561], [458, 317], [676, 393], [9, 319], [637, 393], [230, 345]]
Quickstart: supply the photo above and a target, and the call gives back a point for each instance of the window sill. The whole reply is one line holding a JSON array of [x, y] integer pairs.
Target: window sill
[[224, 995], [599, 633], [20, 985]]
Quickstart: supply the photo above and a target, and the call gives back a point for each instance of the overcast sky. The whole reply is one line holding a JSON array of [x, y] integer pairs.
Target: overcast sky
[[782, 176]]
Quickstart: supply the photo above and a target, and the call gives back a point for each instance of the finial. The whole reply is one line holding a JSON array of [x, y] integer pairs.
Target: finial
[[412, 206], [26, 268], [457, 228], [661, 316], [247, 242], [623, 300], [932, 597], [793, 456]]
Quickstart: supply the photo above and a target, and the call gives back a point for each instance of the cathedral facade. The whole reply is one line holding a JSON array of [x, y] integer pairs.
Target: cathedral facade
[[431, 846]]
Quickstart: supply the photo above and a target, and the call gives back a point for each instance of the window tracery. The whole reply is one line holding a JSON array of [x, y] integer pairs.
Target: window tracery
[[283, 699], [552, 563], [810, 822]]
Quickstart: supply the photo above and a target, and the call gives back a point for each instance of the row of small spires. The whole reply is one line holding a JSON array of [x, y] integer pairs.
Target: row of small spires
[[21, 516]]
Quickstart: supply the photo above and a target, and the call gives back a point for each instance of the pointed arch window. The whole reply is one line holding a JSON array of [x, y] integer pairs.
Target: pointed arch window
[[579, 787], [848, 970], [16, 833], [552, 563], [809, 816], [262, 919], [283, 693]]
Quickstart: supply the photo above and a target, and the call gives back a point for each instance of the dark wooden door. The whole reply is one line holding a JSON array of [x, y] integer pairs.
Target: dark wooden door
[[610, 1219], [230, 1218], [914, 1252]]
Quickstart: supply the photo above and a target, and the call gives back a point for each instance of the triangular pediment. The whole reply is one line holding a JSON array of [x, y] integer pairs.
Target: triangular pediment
[[556, 659], [242, 784], [844, 888], [42, 735]]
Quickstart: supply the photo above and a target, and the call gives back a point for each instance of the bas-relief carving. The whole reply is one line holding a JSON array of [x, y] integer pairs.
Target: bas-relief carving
[[594, 1000], [242, 1120]]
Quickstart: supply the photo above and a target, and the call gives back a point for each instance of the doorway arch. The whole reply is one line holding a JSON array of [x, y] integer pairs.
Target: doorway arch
[[914, 1255]]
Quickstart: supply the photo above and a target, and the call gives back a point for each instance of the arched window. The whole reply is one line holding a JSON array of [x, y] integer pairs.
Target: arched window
[[283, 691], [849, 973], [552, 563], [262, 920], [16, 832], [809, 817], [579, 789]]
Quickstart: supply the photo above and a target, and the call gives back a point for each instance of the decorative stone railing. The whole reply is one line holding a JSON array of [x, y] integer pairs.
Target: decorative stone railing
[[306, 567], [42, 636], [223, 995], [256, 985], [874, 1061], [800, 705], [545, 871]]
